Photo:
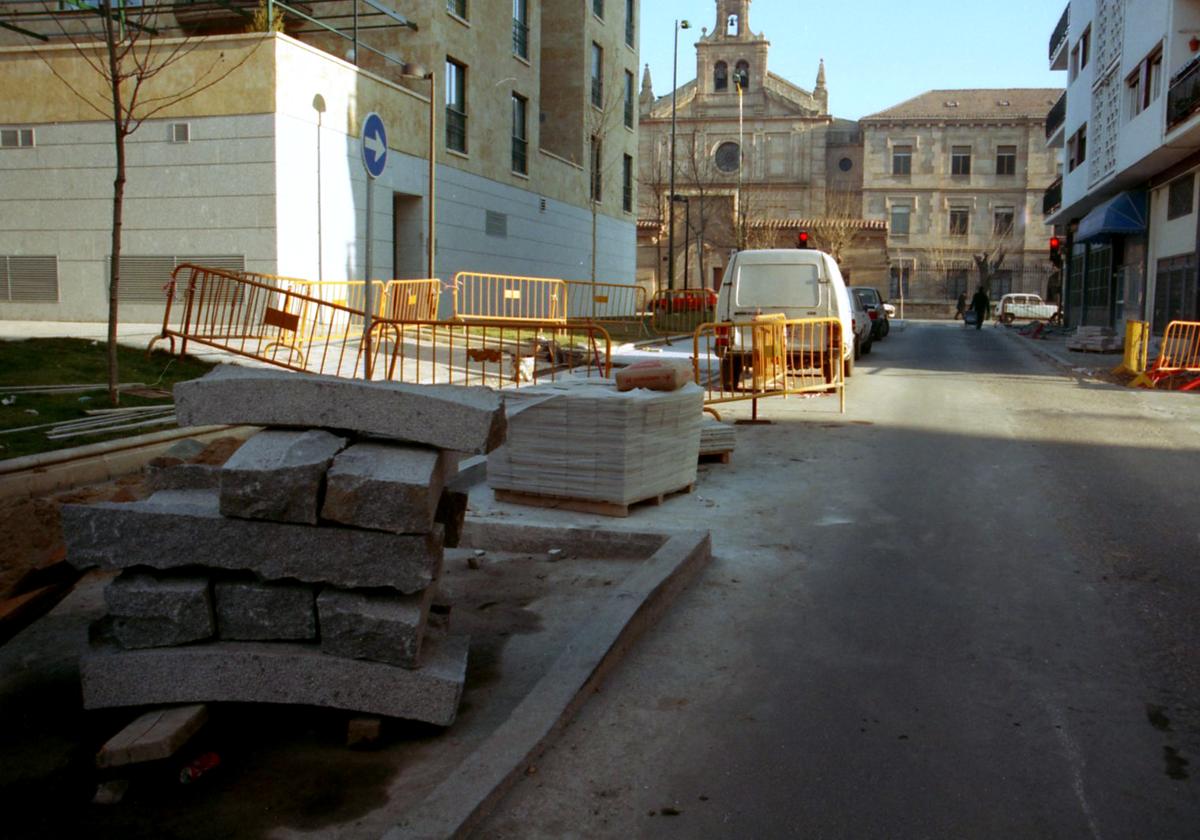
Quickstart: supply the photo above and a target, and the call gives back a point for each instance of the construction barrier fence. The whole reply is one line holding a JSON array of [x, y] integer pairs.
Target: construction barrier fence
[[492, 297], [1178, 356], [614, 305], [769, 357], [286, 327], [681, 311]]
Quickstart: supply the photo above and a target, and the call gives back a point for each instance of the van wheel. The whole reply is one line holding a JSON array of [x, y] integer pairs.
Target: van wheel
[[731, 373]]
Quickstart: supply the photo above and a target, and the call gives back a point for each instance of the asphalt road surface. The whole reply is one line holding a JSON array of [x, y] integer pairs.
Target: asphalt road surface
[[970, 607]]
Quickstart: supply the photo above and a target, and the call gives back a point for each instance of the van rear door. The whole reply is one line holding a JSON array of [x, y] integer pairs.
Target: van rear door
[[769, 287]]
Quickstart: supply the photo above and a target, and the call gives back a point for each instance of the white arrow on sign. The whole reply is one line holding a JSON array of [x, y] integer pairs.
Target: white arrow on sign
[[375, 146]]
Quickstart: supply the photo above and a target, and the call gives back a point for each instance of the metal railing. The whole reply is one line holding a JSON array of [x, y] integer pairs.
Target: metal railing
[[769, 357], [611, 304], [1183, 97], [1179, 355], [1059, 36], [681, 311], [484, 297], [254, 319], [1056, 116]]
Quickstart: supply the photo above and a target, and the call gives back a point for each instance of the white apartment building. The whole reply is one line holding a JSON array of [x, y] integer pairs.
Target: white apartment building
[[1128, 128]]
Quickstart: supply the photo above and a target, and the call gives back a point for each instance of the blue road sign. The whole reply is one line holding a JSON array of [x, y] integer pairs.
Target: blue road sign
[[374, 145]]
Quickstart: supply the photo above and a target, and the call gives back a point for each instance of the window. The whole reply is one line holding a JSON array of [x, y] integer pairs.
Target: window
[[456, 106], [1134, 93], [1073, 70], [627, 184], [597, 75], [1175, 291], [30, 279], [1085, 43], [902, 160], [901, 218], [898, 285], [956, 283], [1154, 76], [520, 137], [1077, 148], [628, 99], [1003, 218], [1179, 196], [960, 160], [741, 74], [457, 7], [520, 28], [959, 217], [1006, 160], [596, 192], [629, 22], [181, 132], [15, 138], [731, 25], [728, 157], [598, 8], [1144, 84], [721, 76]]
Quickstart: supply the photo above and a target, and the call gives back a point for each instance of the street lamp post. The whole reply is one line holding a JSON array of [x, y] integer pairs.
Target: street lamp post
[[737, 81], [679, 24], [687, 227]]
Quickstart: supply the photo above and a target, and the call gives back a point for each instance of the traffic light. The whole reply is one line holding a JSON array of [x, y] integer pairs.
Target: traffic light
[[1056, 251], [802, 239]]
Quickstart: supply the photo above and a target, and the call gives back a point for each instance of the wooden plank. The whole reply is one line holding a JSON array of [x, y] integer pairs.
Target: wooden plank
[[154, 736], [581, 505]]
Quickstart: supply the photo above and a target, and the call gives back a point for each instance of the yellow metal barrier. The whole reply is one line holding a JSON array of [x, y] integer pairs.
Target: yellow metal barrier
[[769, 357], [681, 311], [1178, 356], [614, 304], [490, 297], [410, 300], [251, 318], [1137, 346]]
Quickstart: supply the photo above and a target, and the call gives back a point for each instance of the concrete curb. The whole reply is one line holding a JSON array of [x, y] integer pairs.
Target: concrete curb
[[464, 799]]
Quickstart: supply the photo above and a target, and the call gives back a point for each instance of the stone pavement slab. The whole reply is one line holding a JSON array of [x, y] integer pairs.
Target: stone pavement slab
[[387, 487]]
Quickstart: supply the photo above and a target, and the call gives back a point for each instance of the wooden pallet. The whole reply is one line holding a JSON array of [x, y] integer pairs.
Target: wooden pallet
[[582, 505]]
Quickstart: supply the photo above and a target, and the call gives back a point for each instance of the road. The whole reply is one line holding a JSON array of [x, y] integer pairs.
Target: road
[[970, 607]]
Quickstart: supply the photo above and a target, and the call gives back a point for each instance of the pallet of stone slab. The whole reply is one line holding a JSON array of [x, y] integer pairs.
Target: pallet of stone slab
[[717, 441], [263, 672], [584, 440], [462, 419], [179, 528], [584, 505]]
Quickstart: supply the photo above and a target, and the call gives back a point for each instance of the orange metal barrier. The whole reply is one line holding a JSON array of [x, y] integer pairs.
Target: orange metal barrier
[[1178, 356], [491, 297], [614, 304], [410, 300], [769, 357], [257, 320], [681, 311]]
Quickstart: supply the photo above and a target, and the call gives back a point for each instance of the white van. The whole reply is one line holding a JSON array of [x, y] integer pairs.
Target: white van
[[797, 283]]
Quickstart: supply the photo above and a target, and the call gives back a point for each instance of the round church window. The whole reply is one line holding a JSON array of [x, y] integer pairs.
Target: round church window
[[728, 157], [845, 164]]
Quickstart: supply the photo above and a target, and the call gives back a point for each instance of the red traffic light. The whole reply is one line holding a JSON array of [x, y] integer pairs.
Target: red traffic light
[[802, 239], [1056, 251], [1055, 243]]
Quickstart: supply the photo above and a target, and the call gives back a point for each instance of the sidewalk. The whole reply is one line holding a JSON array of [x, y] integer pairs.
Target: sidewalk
[[1051, 345]]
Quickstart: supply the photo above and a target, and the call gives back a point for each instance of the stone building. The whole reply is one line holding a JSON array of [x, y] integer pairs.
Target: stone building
[[757, 159], [959, 174], [263, 171]]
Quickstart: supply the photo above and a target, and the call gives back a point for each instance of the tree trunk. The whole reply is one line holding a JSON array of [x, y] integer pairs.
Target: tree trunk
[[117, 206]]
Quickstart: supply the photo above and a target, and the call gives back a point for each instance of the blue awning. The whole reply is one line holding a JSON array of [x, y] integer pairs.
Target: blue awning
[[1124, 214]]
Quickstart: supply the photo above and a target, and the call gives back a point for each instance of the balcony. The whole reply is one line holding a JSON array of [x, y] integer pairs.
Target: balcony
[[1058, 41], [1052, 199], [1054, 122], [1183, 97]]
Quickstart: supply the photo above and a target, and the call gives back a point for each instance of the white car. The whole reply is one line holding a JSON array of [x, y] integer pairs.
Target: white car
[[1026, 307]]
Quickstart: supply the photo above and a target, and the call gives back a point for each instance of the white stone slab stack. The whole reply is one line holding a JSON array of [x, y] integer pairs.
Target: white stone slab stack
[[306, 571], [716, 438], [584, 439]]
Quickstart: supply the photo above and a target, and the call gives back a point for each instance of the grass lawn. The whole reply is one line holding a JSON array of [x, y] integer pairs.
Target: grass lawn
[[77, 361]]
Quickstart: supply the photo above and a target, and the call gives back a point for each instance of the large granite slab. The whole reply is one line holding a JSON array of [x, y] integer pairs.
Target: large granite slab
[[262, 672], [150, 611], [443, 416], [387, 487], [278, 475], [178, 528], [368, 625], [249, 611]]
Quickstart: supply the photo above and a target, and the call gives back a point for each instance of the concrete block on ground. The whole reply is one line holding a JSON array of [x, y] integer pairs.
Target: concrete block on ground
[[387, 487], [278, 475], [443, 416], [152, 737], [261, 672], [250, 611], [157, 611], [179, 528], [381, 628]]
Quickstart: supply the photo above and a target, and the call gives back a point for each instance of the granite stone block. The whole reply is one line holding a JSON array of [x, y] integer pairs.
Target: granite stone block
[[381, 628], [442, 416], [157, 611], [278, 475], [283, 672], [179, 528], [387, 487], [250, 611]]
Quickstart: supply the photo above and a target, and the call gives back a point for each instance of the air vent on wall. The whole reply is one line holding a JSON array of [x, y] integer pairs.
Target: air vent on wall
[[181, 132], [29, 279], [14, 138], [496, 224]]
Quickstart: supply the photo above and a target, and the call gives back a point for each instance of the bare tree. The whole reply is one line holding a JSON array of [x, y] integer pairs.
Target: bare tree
[[837, 229], [605, 114], [123, 44], [702, 183]]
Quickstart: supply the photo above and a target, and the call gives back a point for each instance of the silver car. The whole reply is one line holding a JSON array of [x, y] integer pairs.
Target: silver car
[[876, 307]]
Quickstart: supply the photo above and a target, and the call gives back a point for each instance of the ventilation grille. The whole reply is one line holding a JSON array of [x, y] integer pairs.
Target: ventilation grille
[[181, 132], [29, 279], [497, 224], [14, 138], [143, 279]]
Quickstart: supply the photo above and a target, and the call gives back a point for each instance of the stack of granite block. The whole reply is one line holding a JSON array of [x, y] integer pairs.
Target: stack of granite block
[[302, 571]]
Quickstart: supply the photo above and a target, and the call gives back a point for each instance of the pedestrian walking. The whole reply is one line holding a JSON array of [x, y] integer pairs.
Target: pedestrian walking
[[980, 304], [961, 307]]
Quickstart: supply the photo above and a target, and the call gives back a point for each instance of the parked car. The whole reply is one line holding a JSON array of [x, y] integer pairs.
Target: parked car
[[864, 328], [798, 283], [877, 309], [1026, 307], [686, 300]]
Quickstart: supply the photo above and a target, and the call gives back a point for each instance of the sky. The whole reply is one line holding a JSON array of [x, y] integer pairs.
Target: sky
[[878, 53]]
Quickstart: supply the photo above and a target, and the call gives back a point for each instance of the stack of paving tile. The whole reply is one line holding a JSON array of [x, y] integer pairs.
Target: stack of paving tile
[[583, 439], [302, 571], [1096, 340], [716, 438]]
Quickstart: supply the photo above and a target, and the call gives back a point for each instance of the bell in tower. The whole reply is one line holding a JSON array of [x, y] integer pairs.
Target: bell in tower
[[733, 18]]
